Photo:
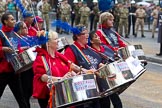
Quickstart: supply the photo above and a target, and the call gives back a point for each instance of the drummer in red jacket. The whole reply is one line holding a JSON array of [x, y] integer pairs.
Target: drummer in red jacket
[[26, 77], [8, 48], [109, 54], [107, 35], [48, 58], [80, 54]]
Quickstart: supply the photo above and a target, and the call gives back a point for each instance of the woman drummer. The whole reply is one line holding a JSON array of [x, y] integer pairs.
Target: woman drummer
[[26, 77], [95, 43], [8, 49], [80, 54], [106, 33], [58, 65]]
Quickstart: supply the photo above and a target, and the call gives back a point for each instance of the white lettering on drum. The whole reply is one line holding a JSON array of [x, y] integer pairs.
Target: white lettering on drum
[[84, 85]]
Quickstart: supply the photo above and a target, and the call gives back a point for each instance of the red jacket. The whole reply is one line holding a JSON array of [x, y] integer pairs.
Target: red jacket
[[59, 66], [32, 31], [104, 41], [5, 65]]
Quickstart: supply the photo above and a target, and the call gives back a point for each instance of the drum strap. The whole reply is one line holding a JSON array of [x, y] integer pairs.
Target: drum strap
[[107, 39], [82, 54], [102, 54], [6, 38], [46, 66], [51, 101]]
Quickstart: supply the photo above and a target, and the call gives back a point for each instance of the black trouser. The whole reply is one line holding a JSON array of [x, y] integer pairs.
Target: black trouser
[[91, 22], [43, 102], [160, 48], [115, 99], [26, 81], [131, 21], [14, 84], [93, 104], [72, 19]]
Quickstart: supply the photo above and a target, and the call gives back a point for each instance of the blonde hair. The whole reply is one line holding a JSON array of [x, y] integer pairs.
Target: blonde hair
[[105, 16], [52, 35]]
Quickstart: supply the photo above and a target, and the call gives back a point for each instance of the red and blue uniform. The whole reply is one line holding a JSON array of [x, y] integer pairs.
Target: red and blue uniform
[[110, 38]]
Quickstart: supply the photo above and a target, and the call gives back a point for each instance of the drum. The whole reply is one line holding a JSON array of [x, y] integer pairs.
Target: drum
[[76, 90], [133, 50], [24, 60], [135, 66], [62, 43], [116, 77]]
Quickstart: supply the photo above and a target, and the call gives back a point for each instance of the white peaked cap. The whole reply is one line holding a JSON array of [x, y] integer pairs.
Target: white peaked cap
[[60, 0], [133, 2], [75, 1], [95, 1]]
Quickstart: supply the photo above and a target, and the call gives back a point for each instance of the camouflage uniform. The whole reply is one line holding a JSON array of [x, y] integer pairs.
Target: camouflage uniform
[[124, 13], [65, 12], [154, 14], [140, 15], [2, 8], [26, 5], [116, 18], [45, 13], [84, 15], [96, 16], [77, 15]]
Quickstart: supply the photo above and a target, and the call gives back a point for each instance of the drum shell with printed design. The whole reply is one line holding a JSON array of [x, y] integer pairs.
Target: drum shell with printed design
[[132, 50], [76, 90], [23, 61]]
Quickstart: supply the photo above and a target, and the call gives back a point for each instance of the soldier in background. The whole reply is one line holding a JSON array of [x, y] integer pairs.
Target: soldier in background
[[116, 16], [123, 22], [140, 15], [132, 18], [92, 14], [96, 12], [84, 12], [154, 14], [77, 15], [65, 12], [2, 8], [75, 5], [46, 8], [58, 14], [25, 4]]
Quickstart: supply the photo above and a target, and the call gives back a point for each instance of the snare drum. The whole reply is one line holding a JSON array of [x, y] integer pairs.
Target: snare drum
[[76, 90], [117, 75], [62, 43], [24, 60], [132, 50]]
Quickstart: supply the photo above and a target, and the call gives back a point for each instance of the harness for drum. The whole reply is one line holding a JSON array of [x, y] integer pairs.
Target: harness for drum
[[76, 90]]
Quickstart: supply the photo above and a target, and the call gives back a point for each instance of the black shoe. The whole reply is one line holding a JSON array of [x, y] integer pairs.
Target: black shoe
[[143, 36], [152, 36], [135, 35], [160, 54], [126, 36]]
